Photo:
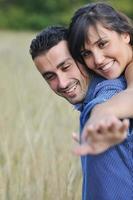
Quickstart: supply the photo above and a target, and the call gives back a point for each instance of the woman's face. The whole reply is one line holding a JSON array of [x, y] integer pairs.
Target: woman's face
[[107, 52]]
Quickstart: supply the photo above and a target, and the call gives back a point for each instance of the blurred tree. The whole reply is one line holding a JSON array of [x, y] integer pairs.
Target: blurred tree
[[35, 14]]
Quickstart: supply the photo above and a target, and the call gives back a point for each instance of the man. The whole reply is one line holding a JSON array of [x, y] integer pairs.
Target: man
[[101, 177]]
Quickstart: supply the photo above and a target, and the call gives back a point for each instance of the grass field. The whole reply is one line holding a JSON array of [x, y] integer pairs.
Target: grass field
[[36, 162]]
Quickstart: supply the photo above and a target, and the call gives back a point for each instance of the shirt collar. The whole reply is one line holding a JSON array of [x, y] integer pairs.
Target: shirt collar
[[95, 79]]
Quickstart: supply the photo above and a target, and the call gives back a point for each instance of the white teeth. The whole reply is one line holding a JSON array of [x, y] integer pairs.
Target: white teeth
[[71, 89], [107, 66]]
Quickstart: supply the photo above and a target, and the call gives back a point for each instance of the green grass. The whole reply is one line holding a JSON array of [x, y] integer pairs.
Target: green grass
[[36, 161]]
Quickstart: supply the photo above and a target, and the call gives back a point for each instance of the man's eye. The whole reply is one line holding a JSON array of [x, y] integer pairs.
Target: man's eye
[[66, 67], [49, 77]]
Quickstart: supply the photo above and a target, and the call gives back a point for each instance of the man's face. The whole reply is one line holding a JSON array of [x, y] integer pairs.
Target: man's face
[[62, 74], [107, 52]]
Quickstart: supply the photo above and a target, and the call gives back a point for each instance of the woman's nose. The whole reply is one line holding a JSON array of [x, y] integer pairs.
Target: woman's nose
[[98, 58]]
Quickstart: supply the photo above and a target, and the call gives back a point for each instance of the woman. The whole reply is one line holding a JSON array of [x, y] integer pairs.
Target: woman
[[98, 34], [101, 38]]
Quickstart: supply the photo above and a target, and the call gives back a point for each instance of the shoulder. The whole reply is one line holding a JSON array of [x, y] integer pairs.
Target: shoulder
[[105, 85], [100, 81]]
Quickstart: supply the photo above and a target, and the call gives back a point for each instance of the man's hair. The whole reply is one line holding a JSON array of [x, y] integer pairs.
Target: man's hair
[[46, 39]]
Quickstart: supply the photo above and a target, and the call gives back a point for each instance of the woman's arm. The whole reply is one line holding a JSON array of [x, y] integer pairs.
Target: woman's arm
[[120, 105], [103, 129]]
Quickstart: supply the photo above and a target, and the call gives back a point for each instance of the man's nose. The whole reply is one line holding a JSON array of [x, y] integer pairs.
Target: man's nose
[[63, 81]]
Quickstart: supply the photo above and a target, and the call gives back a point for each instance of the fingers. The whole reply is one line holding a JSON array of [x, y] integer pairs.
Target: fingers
[[82, 150], [102, 128], [124, 128], [114, 125], [125, 125], [88, 130], [99, 138], [75, 137]]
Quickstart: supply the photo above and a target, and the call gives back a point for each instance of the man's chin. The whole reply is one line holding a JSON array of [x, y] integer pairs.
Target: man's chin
[[73, 100]]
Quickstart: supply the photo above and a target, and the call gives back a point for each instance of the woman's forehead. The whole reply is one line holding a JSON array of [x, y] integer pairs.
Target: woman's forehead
[[96, 32]]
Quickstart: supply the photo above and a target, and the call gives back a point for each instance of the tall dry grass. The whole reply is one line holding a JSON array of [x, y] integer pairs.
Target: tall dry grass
[[36, 162]]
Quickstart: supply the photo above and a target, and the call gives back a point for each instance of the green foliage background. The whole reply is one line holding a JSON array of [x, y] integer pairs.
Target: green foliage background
[[36, 14]]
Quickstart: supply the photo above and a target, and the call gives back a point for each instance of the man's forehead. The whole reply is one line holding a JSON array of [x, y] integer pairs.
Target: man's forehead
[[61, 46], [58, 54]]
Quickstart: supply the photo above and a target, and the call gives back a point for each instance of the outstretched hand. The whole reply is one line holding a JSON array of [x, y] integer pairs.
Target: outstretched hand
[[98, 138]]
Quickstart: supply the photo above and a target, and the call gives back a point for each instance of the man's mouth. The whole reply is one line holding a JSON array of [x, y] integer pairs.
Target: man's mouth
[[107, 66], [70, 90]]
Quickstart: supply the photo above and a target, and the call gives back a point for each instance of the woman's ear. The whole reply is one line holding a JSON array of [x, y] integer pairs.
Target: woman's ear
[[126, 37]]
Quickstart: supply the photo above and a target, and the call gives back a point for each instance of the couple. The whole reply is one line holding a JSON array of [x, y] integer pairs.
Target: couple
[[99, 38]]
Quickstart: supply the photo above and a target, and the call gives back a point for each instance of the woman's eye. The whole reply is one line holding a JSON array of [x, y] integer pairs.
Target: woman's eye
[[102, 44], [85, 53]]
